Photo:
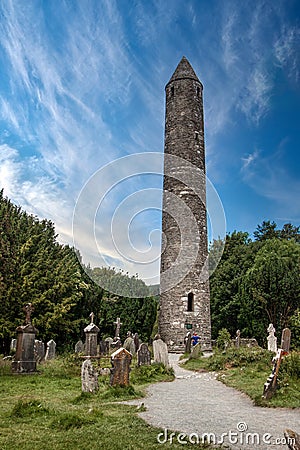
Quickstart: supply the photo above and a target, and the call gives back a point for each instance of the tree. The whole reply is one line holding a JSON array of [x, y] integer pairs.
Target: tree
[[271, 287], [267, 230]]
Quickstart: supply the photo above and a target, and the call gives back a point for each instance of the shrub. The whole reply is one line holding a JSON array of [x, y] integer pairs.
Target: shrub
[[223, 339], [291, 365], [27, 408]]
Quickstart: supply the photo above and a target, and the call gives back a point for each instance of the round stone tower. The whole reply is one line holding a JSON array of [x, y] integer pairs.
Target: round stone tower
[[184, 298]]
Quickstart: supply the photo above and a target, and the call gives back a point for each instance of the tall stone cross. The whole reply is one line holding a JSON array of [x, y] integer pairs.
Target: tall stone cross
[[92, 315], [118, 324], [28, 309]]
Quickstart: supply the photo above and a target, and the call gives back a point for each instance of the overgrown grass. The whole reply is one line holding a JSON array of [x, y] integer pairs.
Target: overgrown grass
[[247, 369], [48, 411]]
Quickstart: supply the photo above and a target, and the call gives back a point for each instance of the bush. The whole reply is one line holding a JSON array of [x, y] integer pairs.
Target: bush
[[291, 365], [223, 339], [28, 408], [148, 374]]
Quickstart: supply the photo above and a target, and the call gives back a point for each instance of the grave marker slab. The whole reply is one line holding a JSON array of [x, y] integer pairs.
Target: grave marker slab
[[89, 377], [160, 351], [120, 360], [286, 340], [50, 352], [143, 355]]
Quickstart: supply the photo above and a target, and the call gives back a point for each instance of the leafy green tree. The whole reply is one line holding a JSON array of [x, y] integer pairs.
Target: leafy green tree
[[270, 289]]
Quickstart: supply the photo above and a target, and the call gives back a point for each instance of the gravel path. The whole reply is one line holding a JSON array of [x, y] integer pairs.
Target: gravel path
[[197, 403]]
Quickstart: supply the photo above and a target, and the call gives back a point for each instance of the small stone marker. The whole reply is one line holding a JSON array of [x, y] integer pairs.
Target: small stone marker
[[116, 343], [188, 342], [50, 352], [196, 350], [120, 360], [143, 355], [79, 347], [286, 340], [238, 339], [24, 359], [89, 377], [91, 336], [13, 345], [160, 351], [272, 339]]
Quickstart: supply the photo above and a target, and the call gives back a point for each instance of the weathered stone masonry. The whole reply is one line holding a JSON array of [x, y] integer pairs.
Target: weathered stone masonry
[[188, 302]]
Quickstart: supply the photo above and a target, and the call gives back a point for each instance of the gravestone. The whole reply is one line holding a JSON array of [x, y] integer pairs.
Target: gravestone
[[103, 347], [116, 343], [118, 324], [89, 377], [286, 340], [13, 345], [129, 343], [91, 336], [50, 352], [109, 340], [24, 359], [160, 351], [238, 339], [196, 351], [272, 339], [39, 350], [79, 347], [188, 342], [120, 361], [137, 342], [143, 355]]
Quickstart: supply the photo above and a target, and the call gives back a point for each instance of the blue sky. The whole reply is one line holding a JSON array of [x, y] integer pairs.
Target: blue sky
[[82, 85]]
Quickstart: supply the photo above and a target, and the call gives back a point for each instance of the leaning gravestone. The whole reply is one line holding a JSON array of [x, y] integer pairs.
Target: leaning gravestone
[[272, 339], [120, 361], [160, 351], [143, 355], [286, 340], [89, 377], [50, 352], [196, 350], [24, 359]]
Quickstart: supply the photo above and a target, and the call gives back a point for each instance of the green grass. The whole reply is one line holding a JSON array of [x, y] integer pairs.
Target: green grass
[[48, 411], [248, 369]]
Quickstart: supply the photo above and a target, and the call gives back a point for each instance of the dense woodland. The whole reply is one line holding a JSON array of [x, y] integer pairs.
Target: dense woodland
[[255, 283]]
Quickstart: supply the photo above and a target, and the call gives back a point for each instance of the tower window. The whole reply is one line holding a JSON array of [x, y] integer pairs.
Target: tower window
[[190, 302], [172, 91], [198, 91]]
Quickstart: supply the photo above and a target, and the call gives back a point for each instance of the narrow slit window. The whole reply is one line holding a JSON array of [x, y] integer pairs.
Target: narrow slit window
[[198, 91], [190, 302], [172, 91]]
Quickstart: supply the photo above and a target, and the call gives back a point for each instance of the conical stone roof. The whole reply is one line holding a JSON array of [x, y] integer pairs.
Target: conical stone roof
[[184, 70]]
